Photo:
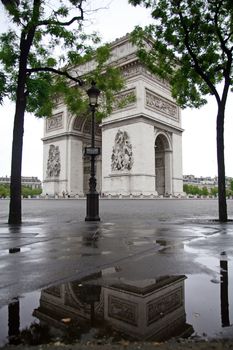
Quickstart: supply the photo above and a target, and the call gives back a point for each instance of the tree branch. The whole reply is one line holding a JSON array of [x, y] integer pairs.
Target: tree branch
[[68, 23], [55, 71], [45, 23], [197, 66], [228, 37]]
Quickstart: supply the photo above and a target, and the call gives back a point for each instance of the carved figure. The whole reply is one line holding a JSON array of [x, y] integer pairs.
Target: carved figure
[[53, 163], [122, 155]]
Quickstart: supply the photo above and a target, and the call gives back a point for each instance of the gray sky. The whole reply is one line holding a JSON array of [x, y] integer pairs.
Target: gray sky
[[199, 137]]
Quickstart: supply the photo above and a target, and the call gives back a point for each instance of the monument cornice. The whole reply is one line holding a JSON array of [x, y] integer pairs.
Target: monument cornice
[[132, 67], [130, 174], [137, 118], [69, 134]]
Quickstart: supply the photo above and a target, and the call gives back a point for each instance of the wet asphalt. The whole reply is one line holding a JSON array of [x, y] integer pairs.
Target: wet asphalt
[[136, 240], [57, 245]]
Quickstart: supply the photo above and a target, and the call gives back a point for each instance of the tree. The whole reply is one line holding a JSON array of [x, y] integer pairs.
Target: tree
[[190, 44], [205, 191], [38, 56], [231, 185], [4, 191], [28, 191], [214, 191]]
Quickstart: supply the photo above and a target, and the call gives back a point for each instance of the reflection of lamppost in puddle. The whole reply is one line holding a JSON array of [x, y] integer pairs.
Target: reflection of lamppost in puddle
[[14, 314], [224, 290], [89, 294], [92, 195]]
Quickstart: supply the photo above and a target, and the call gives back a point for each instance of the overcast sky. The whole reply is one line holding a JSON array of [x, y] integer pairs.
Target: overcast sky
[[199, 137]]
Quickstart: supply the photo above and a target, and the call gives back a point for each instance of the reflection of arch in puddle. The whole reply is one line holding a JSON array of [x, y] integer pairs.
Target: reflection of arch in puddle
[[149, 310], [85, 298]]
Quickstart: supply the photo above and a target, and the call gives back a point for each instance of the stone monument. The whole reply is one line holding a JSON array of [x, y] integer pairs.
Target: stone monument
[[141, 141]]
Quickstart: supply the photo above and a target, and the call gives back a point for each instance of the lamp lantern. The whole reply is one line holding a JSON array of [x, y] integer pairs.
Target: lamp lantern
[[93, 94]]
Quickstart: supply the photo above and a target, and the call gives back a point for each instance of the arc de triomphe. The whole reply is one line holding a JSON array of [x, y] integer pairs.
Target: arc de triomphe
[[141, 142]]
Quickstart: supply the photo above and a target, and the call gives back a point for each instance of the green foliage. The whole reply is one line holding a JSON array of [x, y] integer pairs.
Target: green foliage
[[229, 193], [32, 192], [205, 191], [2, 86], [231, 185], [190, 44], [4, 191], [191, 189], [214, 191], [195, 190], [59, 43], [26, 191]]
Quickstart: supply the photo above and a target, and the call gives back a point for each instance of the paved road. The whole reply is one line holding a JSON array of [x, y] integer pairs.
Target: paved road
[[57, 244], [160, 209], [136, 241]]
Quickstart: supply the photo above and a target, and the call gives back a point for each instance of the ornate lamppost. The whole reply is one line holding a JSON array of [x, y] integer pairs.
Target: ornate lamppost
[[92, 213]]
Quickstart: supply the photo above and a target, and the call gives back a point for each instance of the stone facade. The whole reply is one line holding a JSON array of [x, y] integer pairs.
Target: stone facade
[[141, 140]]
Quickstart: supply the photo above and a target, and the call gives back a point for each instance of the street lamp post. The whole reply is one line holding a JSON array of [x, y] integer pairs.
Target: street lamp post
[[92, 213]]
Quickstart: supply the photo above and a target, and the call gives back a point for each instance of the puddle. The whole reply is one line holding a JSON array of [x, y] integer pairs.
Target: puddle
[[126, 299], [209, 307], [104, 310]]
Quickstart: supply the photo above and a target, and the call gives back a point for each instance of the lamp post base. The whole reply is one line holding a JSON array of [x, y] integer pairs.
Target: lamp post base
[[92, 207]]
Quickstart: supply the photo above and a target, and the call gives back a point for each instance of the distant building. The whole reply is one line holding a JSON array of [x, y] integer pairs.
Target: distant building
[[202, 181], [27, 181]]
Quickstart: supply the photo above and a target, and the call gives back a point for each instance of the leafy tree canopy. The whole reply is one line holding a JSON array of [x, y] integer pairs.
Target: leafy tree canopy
[[59, 45], [190, 43]]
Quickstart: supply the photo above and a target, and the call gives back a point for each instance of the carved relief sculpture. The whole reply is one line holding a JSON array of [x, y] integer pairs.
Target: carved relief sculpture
[[53, 163], [122, 155], [124, 99], [162, 306], [123, 310], [161, 104], [56, 122]]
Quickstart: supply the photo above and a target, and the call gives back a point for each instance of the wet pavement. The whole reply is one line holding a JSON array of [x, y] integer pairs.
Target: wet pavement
[[150, 270]]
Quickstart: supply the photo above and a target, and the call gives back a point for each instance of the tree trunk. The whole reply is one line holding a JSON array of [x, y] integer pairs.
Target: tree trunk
[[222, 204], [26, 39], [15, 213]]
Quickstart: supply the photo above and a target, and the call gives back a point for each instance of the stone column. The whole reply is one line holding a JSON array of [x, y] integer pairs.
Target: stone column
[[75, 167], [168, 172]]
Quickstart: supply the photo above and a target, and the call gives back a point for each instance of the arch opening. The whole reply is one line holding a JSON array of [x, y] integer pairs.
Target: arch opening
[[162, 165]]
